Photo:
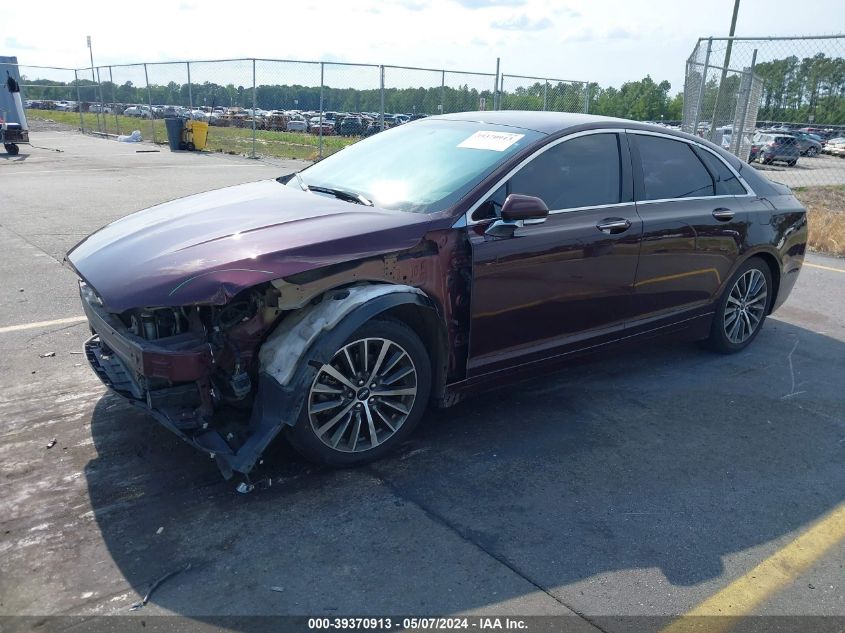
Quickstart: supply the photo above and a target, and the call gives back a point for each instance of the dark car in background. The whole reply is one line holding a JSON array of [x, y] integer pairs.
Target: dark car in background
[[808, 144], [424, 264], [768, 147], [352, 126]]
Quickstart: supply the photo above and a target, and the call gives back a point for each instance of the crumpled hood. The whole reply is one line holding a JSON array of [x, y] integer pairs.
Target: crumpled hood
[[206, 248]]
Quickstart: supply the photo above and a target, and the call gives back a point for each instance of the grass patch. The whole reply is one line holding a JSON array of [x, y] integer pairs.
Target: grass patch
[[826, 217], [220, 139]]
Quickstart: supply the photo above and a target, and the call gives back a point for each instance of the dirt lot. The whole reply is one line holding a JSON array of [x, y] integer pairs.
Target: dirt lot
[[643, 485]]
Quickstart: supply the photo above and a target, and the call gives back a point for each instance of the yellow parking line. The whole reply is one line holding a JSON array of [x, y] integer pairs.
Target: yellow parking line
[[746, 593], [836, 270], [38, 324]]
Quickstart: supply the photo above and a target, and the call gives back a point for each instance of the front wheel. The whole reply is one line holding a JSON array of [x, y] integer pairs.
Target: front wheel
[[743, 307], [12, 149], [367, 399]]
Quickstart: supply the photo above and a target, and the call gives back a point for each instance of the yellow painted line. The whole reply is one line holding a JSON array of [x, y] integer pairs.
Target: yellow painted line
[[745, 594], [38, 324], [819, 266]]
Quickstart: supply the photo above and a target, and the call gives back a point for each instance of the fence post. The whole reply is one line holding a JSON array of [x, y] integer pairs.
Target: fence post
[[736, 135], [442, 92], [546, 95], [190, 96], [254, 101], [114, 103], [700, 103], [100, 110], [79, 101], [586, 97], [322, 69], [381, 97], [496, 97], [150, 103]]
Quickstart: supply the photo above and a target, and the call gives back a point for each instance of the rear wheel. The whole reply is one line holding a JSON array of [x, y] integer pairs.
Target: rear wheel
[[12, 149], [792, 163], [743, 307], [812, 151], [367, 399]]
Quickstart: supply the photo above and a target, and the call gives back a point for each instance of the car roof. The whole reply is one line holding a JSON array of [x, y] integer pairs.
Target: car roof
[[563, 122], [557, 122]]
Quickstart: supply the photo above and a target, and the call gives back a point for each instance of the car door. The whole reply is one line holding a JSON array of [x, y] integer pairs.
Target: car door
[[694, 225], [553, 286]]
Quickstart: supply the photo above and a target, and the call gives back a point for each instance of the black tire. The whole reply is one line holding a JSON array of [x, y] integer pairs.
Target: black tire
[[190, 146], [792, 163], [719, 340], [813, 151], [303, 436], [12, 149]]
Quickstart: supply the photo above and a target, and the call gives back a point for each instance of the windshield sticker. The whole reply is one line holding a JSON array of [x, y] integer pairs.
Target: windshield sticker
[[495, 141]]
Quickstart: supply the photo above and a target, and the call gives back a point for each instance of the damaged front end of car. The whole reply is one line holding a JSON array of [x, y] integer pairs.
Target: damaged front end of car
[[228, 378]]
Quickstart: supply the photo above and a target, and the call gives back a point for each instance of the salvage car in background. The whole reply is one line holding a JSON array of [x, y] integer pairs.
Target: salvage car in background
[[437, 259], [769, 147]]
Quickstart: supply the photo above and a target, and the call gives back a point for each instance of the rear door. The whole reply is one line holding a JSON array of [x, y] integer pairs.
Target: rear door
[[694, 225], [554, 286]]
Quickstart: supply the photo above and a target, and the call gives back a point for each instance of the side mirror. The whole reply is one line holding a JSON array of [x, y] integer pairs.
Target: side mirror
[[528, 209], [518, 211]]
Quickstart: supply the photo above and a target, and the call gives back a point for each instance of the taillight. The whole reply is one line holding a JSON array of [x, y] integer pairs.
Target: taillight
[[771, 144]]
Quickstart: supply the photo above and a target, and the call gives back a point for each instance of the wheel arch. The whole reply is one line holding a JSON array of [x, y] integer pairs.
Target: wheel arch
[[772, 262], [307, 339]]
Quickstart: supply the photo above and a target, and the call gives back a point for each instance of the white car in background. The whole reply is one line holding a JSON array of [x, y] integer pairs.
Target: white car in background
[[835, 146], [298, 125]]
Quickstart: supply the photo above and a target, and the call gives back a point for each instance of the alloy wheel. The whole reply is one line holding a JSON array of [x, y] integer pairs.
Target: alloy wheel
[[745, 307], [363, 396]]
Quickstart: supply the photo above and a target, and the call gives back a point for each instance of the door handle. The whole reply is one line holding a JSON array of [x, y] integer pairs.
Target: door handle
[[722, 214], [613, 225]]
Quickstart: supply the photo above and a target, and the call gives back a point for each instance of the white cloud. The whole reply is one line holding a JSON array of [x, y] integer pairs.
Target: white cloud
[[522, 23]]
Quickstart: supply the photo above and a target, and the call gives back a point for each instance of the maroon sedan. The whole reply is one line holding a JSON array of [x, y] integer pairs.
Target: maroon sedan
[[434, 260]]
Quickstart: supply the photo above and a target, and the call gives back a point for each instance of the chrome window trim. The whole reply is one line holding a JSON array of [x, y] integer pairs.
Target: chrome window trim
[[466, 219], [749, 192], [468, 215]]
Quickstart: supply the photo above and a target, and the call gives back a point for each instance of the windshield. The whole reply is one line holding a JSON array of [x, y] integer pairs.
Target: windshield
[[420, 167]]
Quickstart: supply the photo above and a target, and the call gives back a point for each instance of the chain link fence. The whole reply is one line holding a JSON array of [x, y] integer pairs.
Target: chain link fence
[[48, 88], [539, 93], [778, 103], [256, 107]]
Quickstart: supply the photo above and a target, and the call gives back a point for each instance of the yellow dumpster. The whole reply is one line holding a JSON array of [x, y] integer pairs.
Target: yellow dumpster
[[196, 134]]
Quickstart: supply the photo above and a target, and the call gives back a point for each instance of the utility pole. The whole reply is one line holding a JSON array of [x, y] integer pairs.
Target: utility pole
[[725, 64]]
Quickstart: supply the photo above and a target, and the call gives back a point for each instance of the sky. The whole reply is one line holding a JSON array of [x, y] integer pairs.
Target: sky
[[606, 41]]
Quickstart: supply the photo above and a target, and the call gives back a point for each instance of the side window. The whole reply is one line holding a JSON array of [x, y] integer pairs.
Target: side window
[[671, 169], [582, 172], [727, 184]]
